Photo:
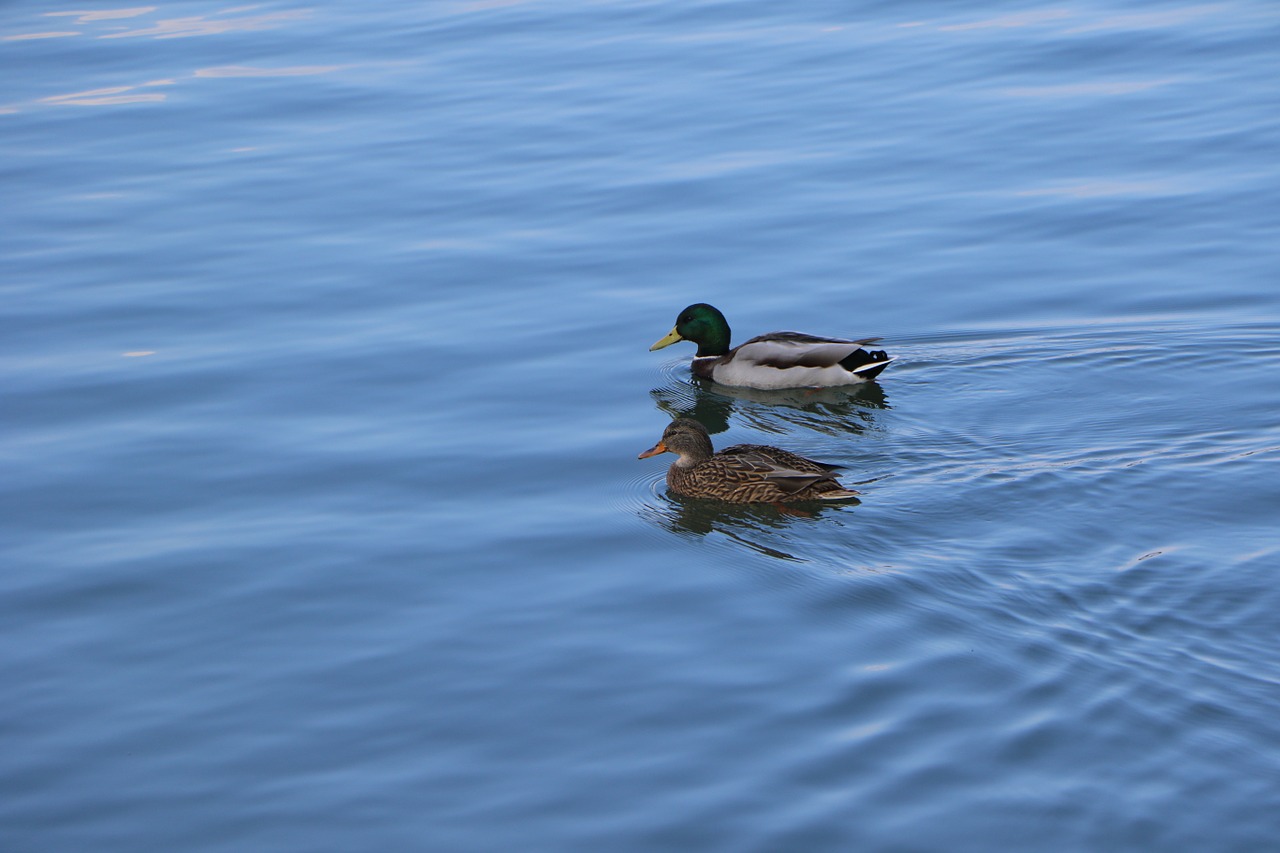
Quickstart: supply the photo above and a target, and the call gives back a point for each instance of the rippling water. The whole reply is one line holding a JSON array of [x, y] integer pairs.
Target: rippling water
[[325, 367]]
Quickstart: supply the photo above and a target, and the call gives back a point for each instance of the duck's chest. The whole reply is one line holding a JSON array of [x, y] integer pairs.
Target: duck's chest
[[704, 367], [680, 481]]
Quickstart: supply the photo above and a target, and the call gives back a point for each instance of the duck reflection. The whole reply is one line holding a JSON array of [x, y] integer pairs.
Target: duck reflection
[[832, 411], [756, 526]]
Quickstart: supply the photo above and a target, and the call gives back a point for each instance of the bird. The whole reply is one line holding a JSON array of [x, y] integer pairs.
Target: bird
[[774, 360], [744, 473]]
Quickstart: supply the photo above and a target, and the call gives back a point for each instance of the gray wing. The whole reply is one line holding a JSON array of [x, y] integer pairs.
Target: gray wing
[[796, 349]]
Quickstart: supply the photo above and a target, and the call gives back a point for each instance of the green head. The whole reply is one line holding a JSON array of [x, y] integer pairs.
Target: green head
[[702, 324]]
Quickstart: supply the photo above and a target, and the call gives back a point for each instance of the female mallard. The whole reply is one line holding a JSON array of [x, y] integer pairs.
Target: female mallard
[[775, 360], [744, 473]]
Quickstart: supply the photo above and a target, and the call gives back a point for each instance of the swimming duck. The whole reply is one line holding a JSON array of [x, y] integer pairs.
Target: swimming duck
[[744, 473], [775, 360]]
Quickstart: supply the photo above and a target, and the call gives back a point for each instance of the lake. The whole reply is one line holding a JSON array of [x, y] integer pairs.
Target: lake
[[325, 367]]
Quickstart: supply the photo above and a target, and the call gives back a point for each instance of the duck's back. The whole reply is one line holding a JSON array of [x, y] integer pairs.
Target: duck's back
[[779, 457], [752, 473]]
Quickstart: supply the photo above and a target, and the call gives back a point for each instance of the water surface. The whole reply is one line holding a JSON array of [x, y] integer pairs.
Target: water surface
[[325, 367]]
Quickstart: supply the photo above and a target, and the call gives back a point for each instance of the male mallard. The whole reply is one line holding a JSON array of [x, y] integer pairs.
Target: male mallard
[[744, 473], [775, 360]]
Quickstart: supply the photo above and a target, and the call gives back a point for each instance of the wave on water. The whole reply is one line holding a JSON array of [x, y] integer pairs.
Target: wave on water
[[1020, 424]]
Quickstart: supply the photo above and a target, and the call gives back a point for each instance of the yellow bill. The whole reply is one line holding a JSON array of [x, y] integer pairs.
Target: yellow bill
[[672, 337]]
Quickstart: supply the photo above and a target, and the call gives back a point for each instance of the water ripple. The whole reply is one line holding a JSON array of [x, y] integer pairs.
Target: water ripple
[[969, 430]]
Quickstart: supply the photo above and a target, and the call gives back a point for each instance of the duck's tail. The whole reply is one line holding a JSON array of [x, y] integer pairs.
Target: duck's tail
[[838, 495], [866, 363]]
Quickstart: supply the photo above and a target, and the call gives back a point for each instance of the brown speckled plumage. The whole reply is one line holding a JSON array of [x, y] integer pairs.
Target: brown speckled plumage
[[744, 473]]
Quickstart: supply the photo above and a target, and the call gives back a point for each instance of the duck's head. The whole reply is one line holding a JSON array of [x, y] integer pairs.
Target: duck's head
[[704, 325], [686, 438]]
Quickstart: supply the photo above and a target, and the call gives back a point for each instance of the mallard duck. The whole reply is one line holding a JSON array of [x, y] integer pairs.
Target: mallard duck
[[775, 360], [744, 473]]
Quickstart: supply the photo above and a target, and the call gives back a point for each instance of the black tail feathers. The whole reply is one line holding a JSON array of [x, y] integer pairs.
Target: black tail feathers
[[861, 358]]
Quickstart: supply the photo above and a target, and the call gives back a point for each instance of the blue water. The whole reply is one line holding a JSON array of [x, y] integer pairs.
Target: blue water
[[325, 368]]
